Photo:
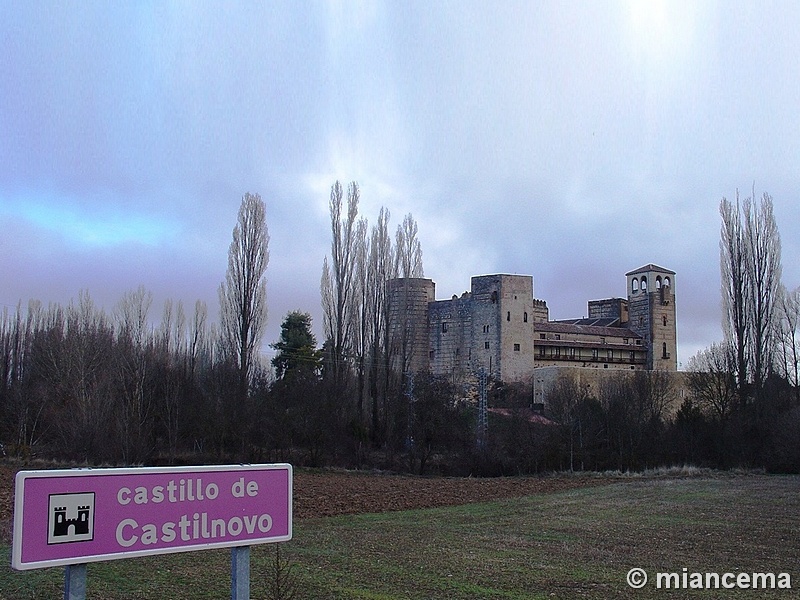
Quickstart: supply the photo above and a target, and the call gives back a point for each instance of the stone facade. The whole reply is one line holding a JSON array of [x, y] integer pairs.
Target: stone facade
[[408, 301], [651, 305], [498, 327]]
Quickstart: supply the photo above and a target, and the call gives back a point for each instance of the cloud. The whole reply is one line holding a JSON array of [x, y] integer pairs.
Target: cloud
[[572, 144], [101, 226]]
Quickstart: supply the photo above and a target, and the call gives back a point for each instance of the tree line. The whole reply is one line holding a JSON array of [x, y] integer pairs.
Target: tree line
[[133, 387], [744, 406]]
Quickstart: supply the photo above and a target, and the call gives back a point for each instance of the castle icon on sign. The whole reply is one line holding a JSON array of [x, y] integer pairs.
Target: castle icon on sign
[[71, 518], [62, 524]]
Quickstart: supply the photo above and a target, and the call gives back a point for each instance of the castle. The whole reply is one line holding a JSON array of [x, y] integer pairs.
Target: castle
[[500, 328]]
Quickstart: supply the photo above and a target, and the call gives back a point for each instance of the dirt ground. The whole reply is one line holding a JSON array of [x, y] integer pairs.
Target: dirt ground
[[338, 493], [328, 493]]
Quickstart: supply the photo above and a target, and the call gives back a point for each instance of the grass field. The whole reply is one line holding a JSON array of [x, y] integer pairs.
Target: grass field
[[573, 544]]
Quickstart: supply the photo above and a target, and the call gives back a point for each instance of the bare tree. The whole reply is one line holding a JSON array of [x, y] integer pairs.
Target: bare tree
[[133, 413], [750, 265], [408, 265], [362, 314], [788, 360], [711, 379], [408, 252], [198, 342], [764, 267], [243, 294], [565, 399], [381, 269], [734, 281], [339, 293]]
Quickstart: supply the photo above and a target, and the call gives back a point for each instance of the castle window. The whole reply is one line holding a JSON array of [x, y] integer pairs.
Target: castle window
[[664, 320], [558, 336], [524, 317], [658, 282], [625, 341], [633, 356], [664, 353], [486, 345], [542, 336], [508, 316], [444, 327], [494, 297], [635, 285], [557, 351], [610, 354], [644, 284], [666, 282], [594, 353], [572, 352], [541, 351], [516, 347]]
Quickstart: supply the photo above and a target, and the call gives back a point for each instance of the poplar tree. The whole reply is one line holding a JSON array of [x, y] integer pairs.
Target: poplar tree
[[750, 265], [340, 300], [243, 294]]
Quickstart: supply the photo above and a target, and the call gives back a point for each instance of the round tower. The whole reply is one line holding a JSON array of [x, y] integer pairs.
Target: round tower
[[407, 301]]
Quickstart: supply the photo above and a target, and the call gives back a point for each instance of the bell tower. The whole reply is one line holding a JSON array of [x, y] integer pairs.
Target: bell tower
[[651, 305]]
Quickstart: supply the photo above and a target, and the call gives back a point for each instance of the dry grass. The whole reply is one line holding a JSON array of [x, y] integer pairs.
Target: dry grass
[[575, 543]]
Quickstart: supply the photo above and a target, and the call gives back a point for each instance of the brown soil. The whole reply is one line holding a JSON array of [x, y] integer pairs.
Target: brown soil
[[328, 493], [338, 493]]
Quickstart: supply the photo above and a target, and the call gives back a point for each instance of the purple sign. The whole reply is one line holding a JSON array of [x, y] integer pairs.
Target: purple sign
[[65, 517]]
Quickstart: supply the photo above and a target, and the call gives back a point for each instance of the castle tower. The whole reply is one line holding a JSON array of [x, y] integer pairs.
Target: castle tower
[[408, 299], [651, 310], [502, 325]]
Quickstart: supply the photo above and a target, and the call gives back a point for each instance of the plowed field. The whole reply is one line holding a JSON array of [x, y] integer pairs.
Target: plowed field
[[329, 493]]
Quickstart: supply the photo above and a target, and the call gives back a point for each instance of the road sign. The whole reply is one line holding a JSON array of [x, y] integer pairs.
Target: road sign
[[68, 517]]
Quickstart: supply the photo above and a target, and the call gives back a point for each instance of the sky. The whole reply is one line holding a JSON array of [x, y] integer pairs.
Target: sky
[[571, 141]]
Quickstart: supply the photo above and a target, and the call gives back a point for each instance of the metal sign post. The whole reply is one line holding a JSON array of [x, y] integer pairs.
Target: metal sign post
[[75, 582], [240, 573]]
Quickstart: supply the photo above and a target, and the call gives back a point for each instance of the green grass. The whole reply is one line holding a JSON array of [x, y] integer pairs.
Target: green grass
[[576, 544]]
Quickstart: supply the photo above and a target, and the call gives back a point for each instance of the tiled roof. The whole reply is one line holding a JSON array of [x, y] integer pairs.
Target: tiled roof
[[650, 267], [577, 326]]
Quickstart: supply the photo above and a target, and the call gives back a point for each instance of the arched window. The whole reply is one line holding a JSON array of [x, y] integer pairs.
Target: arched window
[[658, 282], [635, 285], [524, 317], [664, 353], [664, 320], [644, 284], [666, 281]]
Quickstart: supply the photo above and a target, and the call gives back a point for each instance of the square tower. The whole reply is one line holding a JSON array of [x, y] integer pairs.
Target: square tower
[[651, 314], [502, 325]]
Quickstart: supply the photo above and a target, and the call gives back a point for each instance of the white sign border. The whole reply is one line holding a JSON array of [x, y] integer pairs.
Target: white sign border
[[19, 488]]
